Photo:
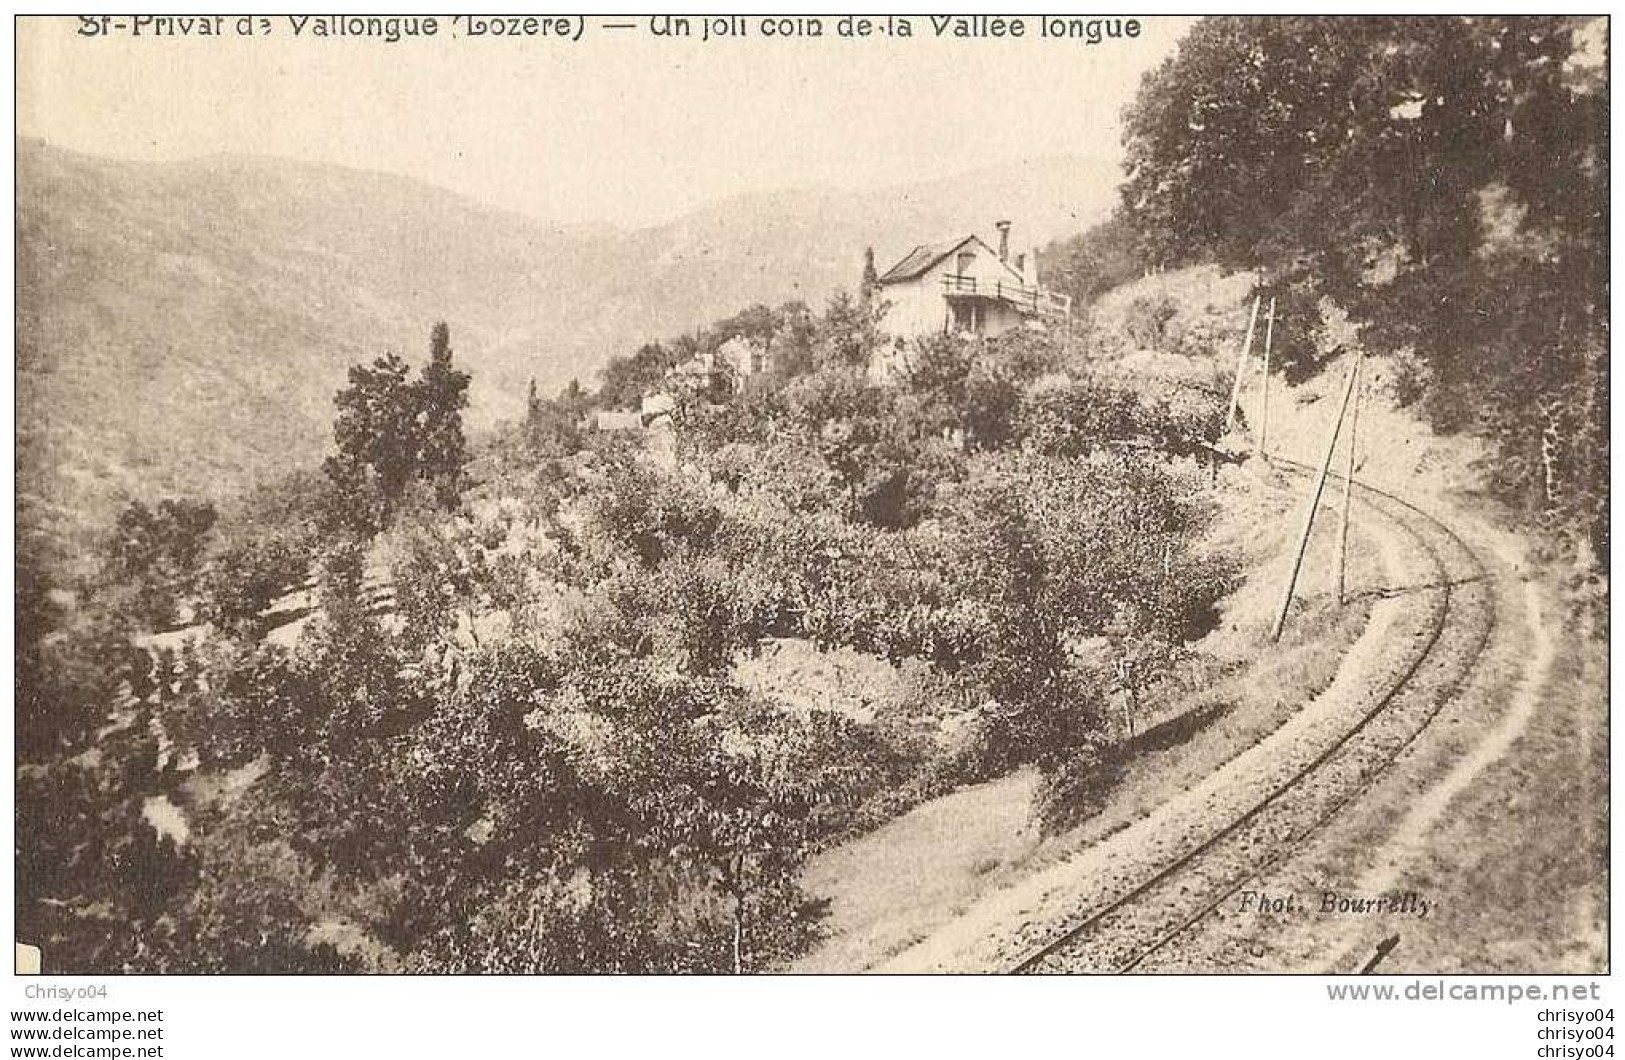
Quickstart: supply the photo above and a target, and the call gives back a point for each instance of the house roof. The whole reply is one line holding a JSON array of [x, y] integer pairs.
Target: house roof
[[923, 259]]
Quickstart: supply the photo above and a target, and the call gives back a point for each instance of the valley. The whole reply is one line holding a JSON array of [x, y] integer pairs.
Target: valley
[[184, 326]]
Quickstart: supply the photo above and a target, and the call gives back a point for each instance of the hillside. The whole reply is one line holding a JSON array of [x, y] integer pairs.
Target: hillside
[[182, 326], [781, 621], [1484, 773]]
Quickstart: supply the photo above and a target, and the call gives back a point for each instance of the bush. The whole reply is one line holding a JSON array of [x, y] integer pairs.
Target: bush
[[245, 580], [1147, 320], [153, 557], [1075, 787]]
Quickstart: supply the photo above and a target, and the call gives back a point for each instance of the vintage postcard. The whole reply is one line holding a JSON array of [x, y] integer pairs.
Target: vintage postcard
[[662, 494]]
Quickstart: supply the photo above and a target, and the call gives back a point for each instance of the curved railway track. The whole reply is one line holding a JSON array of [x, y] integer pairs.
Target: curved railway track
[[1120, 933]]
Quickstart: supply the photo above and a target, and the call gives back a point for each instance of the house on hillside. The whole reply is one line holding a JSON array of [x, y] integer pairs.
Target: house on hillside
[[746, 359], [654, 411], [737, 366], [965, 286], [658, 404], [702, 377], [608, 420]]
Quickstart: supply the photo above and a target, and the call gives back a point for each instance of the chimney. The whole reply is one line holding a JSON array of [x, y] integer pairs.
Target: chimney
[[1004, 239]]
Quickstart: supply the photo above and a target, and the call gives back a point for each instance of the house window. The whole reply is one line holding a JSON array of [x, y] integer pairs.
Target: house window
[[965, 316], [963, 261]]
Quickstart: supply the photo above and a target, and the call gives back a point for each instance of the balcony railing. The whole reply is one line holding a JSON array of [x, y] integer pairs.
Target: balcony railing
[[1035, 301]]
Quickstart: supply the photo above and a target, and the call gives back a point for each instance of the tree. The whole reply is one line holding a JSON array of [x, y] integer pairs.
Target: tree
[[887, 451], [869, 283], [390, 431], [1444, 180], [155, 555], [849, 331], [1023, 666], [1054, 552], [792, 347], [758, 323], [1147, 320], [376, 433], [726, 816], [99, 880], [651, 515], [1086, 266], [442, 394], [69, 666], [245, 579], [170, 536], [627, 379], [964, 395], [553, 426]]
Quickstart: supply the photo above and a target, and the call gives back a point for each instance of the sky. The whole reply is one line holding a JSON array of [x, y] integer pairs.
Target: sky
[[620, 126]]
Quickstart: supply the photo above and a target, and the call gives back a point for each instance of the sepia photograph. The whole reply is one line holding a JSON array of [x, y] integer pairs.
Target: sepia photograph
[[587, 495]]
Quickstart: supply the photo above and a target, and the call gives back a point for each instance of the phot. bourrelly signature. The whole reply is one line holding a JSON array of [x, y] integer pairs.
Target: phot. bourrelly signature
[[1335, 903]]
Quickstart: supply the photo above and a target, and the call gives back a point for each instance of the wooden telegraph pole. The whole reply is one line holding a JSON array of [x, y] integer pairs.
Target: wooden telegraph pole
[[1241, 364], [1314, 501], [1348, 489], [1264, 410]]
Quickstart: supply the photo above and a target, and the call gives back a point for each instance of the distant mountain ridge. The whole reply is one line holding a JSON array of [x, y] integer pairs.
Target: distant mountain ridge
[[183, 326]]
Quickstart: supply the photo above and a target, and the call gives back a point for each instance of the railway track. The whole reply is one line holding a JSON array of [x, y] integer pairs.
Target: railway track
[[1123, 929]]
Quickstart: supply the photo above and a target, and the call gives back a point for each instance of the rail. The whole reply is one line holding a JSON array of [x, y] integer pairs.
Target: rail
[[1045, 955], [1030, 299]]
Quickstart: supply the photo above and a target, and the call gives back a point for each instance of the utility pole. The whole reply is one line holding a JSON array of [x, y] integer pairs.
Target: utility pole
[[1314, 502], [1264, 410], [1348, 488], [1241, 363]]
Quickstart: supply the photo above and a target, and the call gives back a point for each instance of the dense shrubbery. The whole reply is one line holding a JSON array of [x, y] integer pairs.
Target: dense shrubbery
[[544, 761], [153, 557]]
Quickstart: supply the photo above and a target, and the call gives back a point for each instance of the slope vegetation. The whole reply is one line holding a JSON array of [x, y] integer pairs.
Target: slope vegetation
[[182, 327]]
